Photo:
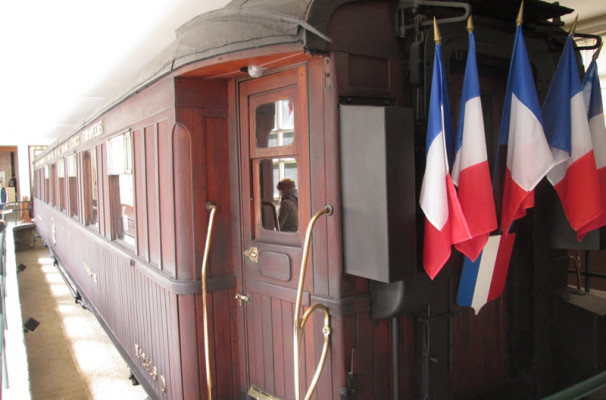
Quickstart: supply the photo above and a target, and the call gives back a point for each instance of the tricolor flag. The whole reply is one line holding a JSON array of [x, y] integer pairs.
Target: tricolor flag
[[567, 130], [484, 279], [592, 93], [444, 220], [528, 155], [470, 172]]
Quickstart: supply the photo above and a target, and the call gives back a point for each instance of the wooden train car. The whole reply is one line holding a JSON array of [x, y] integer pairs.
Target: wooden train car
[[333, 96]]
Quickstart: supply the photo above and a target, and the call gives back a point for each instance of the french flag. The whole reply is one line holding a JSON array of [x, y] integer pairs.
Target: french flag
[[528, 154], [470, 171], [567, 130], [444, 220], [484, 279], [592, 93]]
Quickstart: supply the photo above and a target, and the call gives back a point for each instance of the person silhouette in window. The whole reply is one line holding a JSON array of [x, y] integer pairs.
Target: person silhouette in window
[[288, 214], [2, 199]]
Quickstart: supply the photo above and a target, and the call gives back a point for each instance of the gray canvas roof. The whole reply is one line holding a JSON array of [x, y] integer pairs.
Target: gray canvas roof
[[240, 25], [248, 24]]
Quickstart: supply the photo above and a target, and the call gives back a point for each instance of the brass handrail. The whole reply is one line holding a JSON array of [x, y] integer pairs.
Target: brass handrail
[[213, 209], [299, 324]]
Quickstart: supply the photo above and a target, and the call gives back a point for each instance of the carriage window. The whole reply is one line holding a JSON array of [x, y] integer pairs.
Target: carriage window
[[279, 194], [72, 184], [90, 168], [47, 184], [275, 124], [61, 176], [122, 200]]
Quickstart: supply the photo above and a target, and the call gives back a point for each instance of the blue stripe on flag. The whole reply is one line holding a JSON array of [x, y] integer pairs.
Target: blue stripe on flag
[[556, 110], [471, 87], [439, 103], [520, 82], [467, 285], [595, 106]]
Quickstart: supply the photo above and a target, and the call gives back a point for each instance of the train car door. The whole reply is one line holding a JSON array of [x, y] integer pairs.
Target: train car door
[[273, 147]]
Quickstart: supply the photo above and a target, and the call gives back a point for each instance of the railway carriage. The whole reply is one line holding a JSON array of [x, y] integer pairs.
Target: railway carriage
[[162, 209]]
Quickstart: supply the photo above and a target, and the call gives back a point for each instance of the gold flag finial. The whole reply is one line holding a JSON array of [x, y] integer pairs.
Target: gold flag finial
[[436, 32], [573, 28], [597, 52], [520, 18], [469, 24]]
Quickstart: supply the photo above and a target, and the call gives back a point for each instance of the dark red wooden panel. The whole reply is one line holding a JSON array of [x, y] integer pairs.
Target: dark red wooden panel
[[152, 194], [183, 178], [166, 194], [141, 206]]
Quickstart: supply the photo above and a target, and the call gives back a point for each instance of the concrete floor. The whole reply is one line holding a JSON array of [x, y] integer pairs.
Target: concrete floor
[[68, 356]]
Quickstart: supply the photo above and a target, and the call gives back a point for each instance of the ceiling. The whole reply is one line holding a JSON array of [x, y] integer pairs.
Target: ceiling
[[62, 58]]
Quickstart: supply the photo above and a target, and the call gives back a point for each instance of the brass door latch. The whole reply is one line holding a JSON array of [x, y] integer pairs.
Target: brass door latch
[[241, 298], [253, 254]]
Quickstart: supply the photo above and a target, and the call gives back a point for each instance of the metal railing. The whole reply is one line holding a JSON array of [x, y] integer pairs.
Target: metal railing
[[580, 389], [586, 273], [19, 212], [3, 368]]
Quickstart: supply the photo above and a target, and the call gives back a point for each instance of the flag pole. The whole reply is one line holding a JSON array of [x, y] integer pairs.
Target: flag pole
[[436, 32], [597, 52], [573, 28]]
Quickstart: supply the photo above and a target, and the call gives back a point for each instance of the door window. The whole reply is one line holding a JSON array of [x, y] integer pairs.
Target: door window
[[279, 194], [275, 160], [275, 123]]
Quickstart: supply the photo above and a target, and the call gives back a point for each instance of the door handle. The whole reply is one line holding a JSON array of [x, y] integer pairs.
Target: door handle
[[299, 322], [252, 253], [212, 209], [242, 298]]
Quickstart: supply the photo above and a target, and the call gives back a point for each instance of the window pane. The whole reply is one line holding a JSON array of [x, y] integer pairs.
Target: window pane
[[73, 196], [61, 175], [275, 124], [122, 187], [123, 211], [72, 184], [91, 170], [127, 208], [279, 195]]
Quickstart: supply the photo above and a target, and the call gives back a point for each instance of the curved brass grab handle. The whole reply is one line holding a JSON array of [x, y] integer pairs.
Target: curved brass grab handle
[[213, 209], [300, 323]]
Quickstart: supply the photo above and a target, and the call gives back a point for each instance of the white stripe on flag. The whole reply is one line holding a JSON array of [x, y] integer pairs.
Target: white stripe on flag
[[528, 155], [485, 271], [472, 151], [581, 142], [434, 199]]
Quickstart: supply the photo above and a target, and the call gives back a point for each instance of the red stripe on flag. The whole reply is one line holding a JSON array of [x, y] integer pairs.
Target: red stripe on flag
[[499, 275], [436, 250], [459, 230], [601, 219], [580, 193], [516, 201], [477, 203]]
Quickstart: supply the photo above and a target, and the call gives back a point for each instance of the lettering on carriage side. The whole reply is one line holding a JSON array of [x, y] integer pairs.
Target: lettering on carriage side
[[149, 366], [92, 131], [74, 142], [89, 133], [91, 273]]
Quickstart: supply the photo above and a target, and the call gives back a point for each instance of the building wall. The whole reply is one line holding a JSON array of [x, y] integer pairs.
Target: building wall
[[5, 166]]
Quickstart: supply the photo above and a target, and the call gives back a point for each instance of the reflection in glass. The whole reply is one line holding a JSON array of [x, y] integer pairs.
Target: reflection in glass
[[275, 124], [279, 196]]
